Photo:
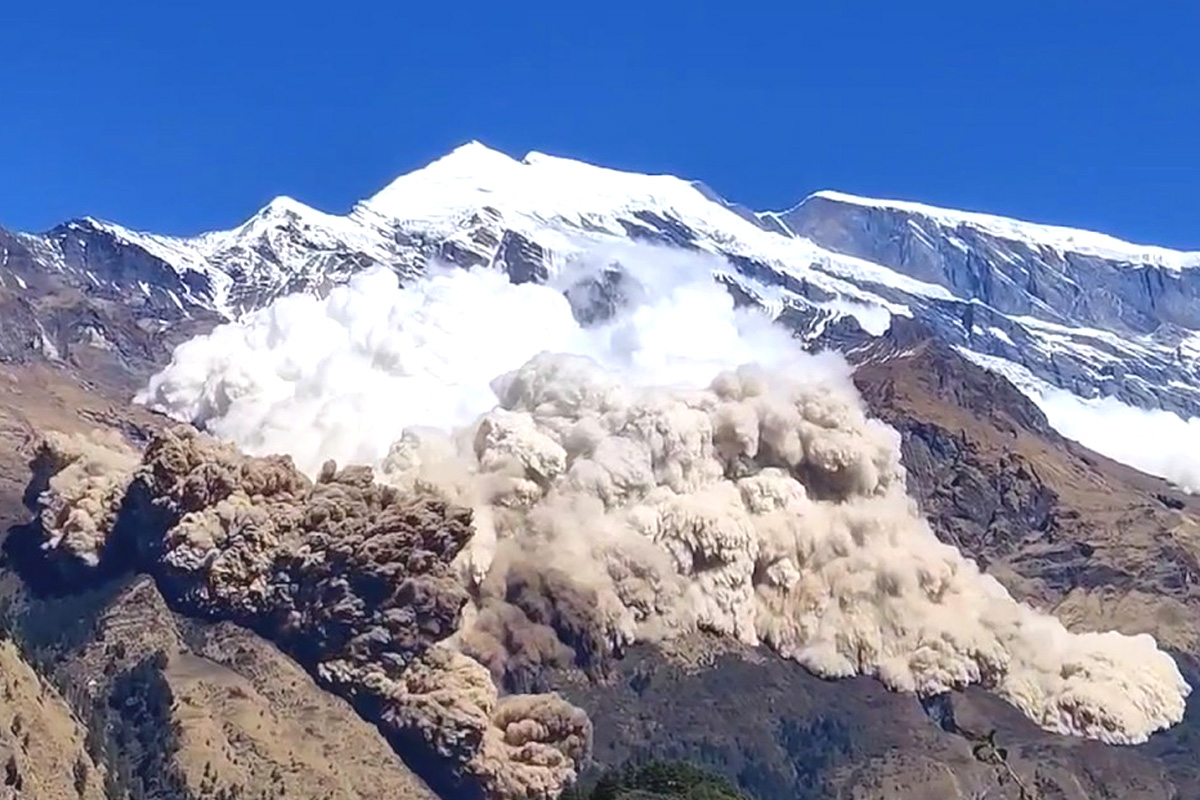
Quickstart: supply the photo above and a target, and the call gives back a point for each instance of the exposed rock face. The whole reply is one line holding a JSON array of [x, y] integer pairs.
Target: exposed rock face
[[1121, 316], [1008, 270], [522, 259], [202, 710], [80, 297], [785, 735]]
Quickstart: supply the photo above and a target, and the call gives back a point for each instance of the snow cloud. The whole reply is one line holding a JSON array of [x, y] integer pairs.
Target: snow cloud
[[1155, 441]]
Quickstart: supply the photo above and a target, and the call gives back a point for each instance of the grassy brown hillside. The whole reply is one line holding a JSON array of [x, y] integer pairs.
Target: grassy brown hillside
[[42, 742]]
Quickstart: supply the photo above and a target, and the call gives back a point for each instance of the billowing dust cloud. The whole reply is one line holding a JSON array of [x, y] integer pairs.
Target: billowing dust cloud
[[674, 465], [87, 475], [354, 578]]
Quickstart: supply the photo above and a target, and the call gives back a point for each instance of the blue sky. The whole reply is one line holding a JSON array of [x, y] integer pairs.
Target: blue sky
[[184, 117]]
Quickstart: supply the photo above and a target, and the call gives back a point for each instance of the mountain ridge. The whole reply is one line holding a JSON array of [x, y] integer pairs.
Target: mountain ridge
[[1079, 311], [1073, 238]]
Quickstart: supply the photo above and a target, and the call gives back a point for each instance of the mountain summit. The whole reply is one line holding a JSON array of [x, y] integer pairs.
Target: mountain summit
[[1076, 319]]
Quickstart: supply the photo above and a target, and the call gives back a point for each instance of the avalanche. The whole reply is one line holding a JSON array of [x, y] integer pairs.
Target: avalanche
[[679, 465]]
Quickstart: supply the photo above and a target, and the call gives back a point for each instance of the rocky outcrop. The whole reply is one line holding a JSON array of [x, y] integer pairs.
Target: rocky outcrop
[[783, 734], [1011, 266], [195, 710], [82, 299]]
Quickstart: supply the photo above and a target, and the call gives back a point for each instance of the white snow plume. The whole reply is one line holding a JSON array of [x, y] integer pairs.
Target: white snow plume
[[342, 377], [1154, 441], [644, 480]]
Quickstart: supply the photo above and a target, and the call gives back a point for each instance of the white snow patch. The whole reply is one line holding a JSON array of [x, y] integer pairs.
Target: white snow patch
[[1001, 335]]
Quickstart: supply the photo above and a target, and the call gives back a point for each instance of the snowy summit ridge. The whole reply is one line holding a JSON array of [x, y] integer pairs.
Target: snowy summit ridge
[[1066, 240], [1062, 309]]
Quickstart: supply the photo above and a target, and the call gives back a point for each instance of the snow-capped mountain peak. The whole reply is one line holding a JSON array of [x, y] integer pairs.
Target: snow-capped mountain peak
[[530, 191], [1081, 311], [283, 215]]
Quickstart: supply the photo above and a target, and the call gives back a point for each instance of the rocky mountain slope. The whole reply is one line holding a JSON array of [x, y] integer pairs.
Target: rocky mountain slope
[[915, 296], [107, 684], [41, 739]]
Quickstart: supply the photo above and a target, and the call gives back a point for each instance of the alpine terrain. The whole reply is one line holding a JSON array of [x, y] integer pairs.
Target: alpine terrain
[[427, 499]]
